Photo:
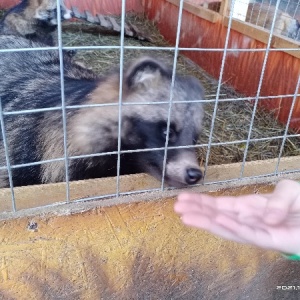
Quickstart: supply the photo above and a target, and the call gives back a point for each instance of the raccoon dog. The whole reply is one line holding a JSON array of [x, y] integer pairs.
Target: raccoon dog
[[31, 80], [34, 19]]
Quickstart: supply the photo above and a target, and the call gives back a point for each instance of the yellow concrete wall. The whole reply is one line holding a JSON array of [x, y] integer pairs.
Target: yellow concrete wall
[[135, 251]]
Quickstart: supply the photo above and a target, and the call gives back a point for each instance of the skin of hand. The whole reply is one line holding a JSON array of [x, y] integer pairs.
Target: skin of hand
[[270, 221]]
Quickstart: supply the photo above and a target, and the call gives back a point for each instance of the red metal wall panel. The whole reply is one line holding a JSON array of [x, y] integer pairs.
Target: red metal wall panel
[[242, 69]]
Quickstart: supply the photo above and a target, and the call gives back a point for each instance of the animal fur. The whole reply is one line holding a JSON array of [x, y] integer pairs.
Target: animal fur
[[262, 15], [31, 80], [35, 20]]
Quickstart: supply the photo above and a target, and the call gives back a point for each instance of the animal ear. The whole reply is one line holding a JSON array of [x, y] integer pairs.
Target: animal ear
[[145, 71]]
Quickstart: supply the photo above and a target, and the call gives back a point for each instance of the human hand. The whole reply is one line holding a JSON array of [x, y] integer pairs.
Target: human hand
[[270, 221]]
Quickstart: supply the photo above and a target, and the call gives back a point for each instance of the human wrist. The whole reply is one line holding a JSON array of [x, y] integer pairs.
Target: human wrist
[[291, 256]]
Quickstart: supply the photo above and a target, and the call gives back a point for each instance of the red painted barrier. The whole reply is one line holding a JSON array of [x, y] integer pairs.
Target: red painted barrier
[[242, 69]]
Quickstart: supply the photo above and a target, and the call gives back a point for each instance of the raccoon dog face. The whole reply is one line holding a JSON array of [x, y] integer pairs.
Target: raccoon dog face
[[34, 19], [144, 126], [46, 11]]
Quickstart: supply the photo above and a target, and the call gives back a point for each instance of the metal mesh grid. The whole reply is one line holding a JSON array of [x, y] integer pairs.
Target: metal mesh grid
[[262, 13], [119, 151]]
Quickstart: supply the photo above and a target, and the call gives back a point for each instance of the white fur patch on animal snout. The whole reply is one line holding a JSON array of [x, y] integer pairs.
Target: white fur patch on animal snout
[[39, 16], [67, 14], [176, 168], [43, 15], [53, 22]]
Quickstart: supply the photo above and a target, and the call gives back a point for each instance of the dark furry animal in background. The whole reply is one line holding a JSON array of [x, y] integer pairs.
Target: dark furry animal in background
[[31, 80], [35, 20]]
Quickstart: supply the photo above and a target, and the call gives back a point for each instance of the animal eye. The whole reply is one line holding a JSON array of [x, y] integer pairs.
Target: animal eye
[[172, 134]]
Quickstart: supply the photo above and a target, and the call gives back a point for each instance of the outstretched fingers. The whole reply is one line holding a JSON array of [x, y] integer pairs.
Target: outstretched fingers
[[209, 224], [244, 206]]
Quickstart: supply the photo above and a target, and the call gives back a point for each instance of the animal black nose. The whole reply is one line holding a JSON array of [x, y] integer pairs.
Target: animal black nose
[[193, 175]]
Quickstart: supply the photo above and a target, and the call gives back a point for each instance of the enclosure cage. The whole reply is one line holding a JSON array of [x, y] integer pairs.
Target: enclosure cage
[[102, 238], [245, 53]]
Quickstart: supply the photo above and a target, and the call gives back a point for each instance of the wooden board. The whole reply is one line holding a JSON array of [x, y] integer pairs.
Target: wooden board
[[135, 251], [51, 194], [262, 35], [198, 10]]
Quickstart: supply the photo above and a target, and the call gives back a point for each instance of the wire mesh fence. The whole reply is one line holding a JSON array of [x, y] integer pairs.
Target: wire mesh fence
[[19, 95]]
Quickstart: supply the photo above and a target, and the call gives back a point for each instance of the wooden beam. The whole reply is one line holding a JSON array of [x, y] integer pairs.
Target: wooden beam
[[224, 7], [260, 34], [199, 11], [134, 251], [49, 194]]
